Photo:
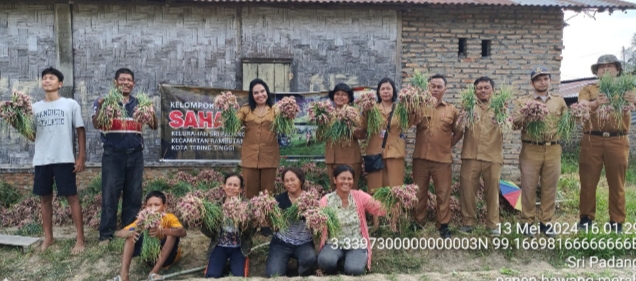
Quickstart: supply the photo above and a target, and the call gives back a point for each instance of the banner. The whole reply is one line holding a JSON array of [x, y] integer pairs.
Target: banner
[[191, 127]]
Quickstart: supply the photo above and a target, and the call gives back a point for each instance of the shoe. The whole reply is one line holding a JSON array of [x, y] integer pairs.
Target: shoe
[[526, 230], [444, 232], [585, 223], [615, 227], [466, 229], [495, 232], [547, 230]]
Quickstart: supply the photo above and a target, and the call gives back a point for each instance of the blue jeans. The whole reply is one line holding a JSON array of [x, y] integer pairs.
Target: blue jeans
[[122, 172], [355, 261], [280, 252], [219, 256]]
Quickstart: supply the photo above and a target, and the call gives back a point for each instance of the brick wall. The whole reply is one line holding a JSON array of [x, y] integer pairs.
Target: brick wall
[[27, 45], [521, 38]]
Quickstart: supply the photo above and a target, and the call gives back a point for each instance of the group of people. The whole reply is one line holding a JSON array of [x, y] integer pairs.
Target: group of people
[[604, 145]]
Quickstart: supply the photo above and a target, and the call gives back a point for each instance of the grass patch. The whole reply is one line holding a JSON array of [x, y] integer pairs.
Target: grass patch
[[30, 229], [8, 195]]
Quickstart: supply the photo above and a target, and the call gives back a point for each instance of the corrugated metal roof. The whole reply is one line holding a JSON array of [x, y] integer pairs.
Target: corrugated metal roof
[[571, 88], [613, 4]]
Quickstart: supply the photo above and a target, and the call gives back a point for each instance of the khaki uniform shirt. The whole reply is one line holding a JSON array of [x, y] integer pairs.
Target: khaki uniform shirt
[[484, 140], [590, 93], [395, 144], [556, 107], [343, 152], [434, 135], [260, 145]]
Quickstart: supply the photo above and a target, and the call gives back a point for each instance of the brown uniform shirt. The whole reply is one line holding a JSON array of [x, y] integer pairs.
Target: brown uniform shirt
[[590, 93], [556, 107], [344, 152], [434, 135], [484, 140], [395, 145], [260, 145]]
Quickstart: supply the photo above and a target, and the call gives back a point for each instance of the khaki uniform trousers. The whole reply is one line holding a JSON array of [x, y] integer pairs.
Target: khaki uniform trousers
[[391, 175], [357, 168], [539, 163], [469, 180], [596, 152], [423, 171], [257, 180]]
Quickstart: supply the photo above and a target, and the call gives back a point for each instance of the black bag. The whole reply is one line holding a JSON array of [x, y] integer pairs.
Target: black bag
[[374, 162]]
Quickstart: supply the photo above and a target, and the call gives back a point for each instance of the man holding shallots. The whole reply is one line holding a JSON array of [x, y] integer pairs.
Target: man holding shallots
[[122, 160], [537, 115], [432, 158], [482, 156], [605, 143]]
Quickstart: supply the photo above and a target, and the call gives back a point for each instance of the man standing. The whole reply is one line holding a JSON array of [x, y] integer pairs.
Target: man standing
[[122, 160], [604, 143], [55, 118], [436, 135], [540, 157], [482, 155]]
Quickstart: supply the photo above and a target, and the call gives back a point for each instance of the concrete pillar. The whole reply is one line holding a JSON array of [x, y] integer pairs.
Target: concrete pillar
[[64, 46]]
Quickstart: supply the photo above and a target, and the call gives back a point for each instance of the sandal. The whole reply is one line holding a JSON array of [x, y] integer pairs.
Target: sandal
[[154, 277]]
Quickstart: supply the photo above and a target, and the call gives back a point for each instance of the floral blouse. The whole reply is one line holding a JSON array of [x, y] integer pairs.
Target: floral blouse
[[348, 218]]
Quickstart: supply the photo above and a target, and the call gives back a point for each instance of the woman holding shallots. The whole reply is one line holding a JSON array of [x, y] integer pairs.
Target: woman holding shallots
[[351, 206], [345, 152], [295, 241], [260, 154], [229, 241], [394, 151]]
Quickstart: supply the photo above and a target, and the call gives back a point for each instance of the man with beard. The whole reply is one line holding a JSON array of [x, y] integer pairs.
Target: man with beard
[[436, 135], [540, 157], [122, 160], [482, 156]]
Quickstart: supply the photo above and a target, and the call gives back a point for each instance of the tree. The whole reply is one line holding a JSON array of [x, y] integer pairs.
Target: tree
[[628, 57]]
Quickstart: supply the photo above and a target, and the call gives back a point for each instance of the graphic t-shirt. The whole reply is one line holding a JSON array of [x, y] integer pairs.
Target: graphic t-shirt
[[54, 124]]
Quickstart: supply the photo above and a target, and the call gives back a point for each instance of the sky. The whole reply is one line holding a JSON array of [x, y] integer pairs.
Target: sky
[[585, 39]]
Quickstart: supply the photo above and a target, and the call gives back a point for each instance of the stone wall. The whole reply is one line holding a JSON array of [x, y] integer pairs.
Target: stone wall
[[521, 38]]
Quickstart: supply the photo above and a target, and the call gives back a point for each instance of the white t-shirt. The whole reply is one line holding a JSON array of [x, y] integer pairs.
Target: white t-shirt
[[54, 124]]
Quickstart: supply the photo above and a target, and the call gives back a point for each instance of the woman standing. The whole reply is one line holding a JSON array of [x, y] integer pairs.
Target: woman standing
[[296, 241], [228, 242], [351, 207], [260, 153], [394, 152], [344, 152]]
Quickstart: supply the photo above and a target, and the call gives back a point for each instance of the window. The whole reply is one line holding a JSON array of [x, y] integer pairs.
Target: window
[[485, 48], [462, 48], [276, 73]]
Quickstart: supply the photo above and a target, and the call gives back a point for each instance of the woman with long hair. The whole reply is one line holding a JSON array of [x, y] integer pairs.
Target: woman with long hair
[[260, 152]]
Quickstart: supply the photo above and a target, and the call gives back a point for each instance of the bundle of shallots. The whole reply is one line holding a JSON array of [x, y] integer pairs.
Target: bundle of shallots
[[193, 211], [151, 246], [112, 108], [267, 213], [366, 104], [144, 112], [319, 113], [534, 114], [468, 115], [308, 200], [567, 124], [615, 89], [322, 219], [412, 100], [397, 201], [498, 104], [344, 123], [18, 113], [236, 213], [285, 112], [228, 104]]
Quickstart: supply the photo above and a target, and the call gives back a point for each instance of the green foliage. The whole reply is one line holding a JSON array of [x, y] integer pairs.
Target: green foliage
[[8, 195], [333, 224], [181, 188], [157, 185], [30, 229]]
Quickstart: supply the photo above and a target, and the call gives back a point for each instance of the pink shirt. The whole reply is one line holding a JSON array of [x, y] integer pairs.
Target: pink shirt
[[364, 203]]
